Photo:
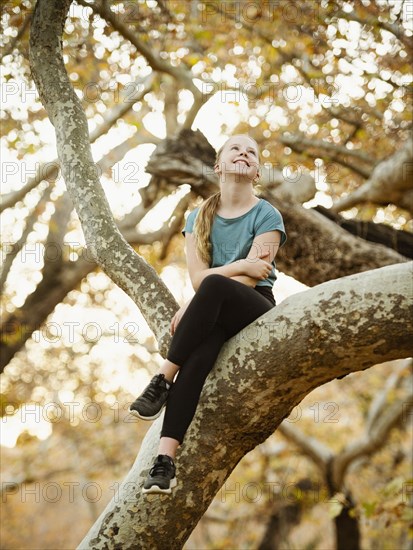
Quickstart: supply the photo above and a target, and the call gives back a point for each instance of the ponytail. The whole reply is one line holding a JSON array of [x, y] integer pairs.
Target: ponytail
[[203, 227]]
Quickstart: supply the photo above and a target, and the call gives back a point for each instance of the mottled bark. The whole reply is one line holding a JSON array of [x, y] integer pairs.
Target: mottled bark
[[316, 335], [105, 243], [338, 327], [318, 250]]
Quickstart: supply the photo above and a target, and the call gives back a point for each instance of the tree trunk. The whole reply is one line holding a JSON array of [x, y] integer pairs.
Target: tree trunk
[[338, 327], [347, 527]]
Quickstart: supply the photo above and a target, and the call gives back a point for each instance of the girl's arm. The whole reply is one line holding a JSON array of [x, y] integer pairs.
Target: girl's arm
[[198, 269], [264, 247], [248, 271]]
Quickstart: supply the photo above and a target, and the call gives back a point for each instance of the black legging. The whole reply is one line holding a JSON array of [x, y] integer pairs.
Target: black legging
[[220, 308]]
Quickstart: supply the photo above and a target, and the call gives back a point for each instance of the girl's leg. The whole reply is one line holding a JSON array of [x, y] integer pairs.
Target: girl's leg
[[169, 369], [168, 446], [227, 306], [184, 395], [220, 309], [218, 300]]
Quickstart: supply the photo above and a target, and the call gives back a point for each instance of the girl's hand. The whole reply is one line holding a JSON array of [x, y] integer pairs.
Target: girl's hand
[[258, 268], [178, 316]]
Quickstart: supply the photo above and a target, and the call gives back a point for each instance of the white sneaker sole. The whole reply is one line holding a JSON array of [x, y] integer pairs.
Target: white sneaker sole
[[156, 489], [138, 415]]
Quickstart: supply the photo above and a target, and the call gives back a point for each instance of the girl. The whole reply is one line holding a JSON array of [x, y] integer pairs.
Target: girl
[[231, 242]]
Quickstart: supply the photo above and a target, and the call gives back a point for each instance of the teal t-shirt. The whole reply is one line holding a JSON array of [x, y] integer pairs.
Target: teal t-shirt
[[232, 238]]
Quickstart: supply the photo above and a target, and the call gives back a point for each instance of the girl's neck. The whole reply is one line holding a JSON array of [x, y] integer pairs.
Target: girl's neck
[[237, 204], [236, 196]]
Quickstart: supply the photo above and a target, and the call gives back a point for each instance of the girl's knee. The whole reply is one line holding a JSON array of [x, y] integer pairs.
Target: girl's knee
[[214, 280]]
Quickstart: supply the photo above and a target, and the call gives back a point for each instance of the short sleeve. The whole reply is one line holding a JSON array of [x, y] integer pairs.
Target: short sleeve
[[190, 221], [271, 220]]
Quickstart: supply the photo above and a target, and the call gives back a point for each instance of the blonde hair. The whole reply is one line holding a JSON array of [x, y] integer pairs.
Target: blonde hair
[[206, 215]]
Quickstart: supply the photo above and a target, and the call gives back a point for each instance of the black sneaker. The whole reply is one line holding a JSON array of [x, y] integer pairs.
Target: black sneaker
[[161, 477], [150, 403]]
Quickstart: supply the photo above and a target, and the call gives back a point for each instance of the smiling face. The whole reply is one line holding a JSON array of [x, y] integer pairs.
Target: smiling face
[[239, 157]]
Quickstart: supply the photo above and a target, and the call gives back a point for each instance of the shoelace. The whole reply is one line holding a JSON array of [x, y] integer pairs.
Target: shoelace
[[160, 468], [151, 391]]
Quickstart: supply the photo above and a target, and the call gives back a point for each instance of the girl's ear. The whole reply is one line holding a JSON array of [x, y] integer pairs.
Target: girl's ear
[[216, 168]]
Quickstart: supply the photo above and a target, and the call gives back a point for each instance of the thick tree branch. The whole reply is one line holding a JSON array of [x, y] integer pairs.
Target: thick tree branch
[[18, 327], [319, 250], [396, 239], [340, 326]]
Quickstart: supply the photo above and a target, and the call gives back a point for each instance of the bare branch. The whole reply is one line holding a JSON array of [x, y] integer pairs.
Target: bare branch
[[380, 402], [10, 47], [16, 247], [376, 439], [390, 181], [146, 49], [319, 453], [374, 22], [304, 142]]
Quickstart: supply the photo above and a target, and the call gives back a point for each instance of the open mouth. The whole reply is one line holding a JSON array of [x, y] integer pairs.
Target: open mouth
[[241, 160]]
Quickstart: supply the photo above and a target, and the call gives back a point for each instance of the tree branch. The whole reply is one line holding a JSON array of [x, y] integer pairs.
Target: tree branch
[[314, 342], [373, 22], [12, 44], [302, 141], [396, 239], [375, 440], [18, 327], [28, 228], [147, 50], [380, 402], [319, 453], [390, 181], [319, 250], [106, 244]]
